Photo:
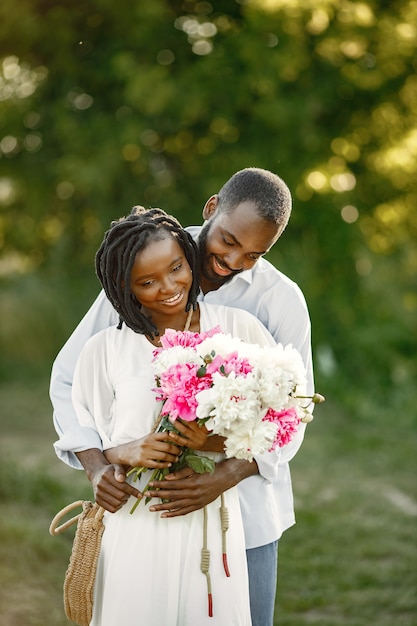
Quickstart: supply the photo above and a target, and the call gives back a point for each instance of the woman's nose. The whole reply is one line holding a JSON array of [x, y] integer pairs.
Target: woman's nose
[[167, 284]]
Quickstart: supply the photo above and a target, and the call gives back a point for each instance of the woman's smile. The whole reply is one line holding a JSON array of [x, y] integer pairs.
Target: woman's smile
[[174, 299]]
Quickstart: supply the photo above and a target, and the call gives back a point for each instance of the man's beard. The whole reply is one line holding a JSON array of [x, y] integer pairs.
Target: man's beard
[[204, 256]]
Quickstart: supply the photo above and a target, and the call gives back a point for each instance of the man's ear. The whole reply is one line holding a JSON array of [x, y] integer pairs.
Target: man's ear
[[210, 207]]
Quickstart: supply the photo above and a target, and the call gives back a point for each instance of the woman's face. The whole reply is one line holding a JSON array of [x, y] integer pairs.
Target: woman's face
[[161, 278]]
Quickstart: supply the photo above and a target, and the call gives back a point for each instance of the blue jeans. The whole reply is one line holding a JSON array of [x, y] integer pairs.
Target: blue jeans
[[262, 570]]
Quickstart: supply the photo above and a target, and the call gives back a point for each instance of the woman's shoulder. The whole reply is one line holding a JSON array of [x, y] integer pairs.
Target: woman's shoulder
[[226, 311], [236, 321], [109, 337]]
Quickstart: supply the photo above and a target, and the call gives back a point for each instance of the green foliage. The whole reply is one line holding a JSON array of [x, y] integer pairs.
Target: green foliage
[[200, 464], [158, 104]]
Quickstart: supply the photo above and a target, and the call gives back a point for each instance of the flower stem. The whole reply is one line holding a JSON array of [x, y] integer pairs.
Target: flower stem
[[154, 476]]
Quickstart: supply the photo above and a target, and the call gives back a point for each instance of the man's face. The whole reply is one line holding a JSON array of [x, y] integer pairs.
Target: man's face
[[232, 242]]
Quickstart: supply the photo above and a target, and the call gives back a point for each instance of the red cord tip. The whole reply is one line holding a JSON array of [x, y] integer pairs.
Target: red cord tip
[[225, 565]]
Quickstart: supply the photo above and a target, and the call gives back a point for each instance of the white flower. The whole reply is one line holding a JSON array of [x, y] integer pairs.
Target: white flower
[[229, 401], [221, 344], [247, 443], [172, 356], [279, 371], [289, 360], [274, 387]]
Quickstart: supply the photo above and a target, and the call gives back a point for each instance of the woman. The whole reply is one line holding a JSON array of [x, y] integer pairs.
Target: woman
[[149, 567]]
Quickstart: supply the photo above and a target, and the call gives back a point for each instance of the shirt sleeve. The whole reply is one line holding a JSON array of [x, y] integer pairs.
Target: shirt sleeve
[[74, 437], [92, 388], [269, 462]]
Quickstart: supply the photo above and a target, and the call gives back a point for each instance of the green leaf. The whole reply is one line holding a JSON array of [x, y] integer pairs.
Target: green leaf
[[166, 425], [200, 464]]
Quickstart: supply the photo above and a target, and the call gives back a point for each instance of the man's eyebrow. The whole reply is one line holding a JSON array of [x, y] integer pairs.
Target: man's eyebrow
[[237, 242], [231, 236]]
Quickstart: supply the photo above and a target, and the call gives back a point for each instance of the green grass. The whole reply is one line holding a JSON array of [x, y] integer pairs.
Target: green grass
[[34, 486], [350, 559]]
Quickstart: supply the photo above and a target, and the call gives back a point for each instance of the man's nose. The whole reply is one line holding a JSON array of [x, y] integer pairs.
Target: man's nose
[[238, 262], [235, 261]]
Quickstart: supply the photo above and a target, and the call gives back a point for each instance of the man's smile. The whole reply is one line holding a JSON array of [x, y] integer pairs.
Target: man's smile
[[221, 268]]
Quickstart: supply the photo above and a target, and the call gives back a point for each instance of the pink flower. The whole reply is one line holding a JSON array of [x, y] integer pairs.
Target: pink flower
[[229, 363], [287, 422], [186, 339], [178, 387]]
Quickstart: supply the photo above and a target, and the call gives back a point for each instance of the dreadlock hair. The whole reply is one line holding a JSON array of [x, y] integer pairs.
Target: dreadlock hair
[[116, 256]]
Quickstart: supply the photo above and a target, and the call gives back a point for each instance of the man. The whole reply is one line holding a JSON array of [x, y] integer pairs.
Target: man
[[241, 224]]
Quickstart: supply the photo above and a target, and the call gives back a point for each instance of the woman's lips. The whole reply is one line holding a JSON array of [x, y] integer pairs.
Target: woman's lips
[[174, 299]]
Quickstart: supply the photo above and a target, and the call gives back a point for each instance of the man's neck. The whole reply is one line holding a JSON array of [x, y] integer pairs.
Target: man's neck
[[208, 285]]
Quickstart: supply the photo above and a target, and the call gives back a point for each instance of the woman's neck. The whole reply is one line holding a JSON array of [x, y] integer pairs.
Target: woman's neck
[[185, 321]]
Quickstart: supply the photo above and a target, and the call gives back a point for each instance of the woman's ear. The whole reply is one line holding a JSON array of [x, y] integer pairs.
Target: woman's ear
[[210, 207]]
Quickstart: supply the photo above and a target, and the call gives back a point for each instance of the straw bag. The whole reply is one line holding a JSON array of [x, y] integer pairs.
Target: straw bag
[[81, 572]]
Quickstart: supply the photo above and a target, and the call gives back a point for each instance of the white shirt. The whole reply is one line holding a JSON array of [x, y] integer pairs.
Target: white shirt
[[280, 305]]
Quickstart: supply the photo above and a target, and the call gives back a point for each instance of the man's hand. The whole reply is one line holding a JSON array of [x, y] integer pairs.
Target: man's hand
[[186, 491], [111, 491]]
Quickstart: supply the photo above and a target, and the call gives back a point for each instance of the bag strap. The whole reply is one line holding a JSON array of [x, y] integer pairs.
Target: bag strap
[[54, 529]]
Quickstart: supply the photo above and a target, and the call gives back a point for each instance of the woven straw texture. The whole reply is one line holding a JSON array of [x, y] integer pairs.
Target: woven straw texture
[[81, 572]]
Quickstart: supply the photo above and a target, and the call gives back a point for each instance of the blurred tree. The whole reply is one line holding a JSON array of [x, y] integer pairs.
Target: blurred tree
[[102, 107]]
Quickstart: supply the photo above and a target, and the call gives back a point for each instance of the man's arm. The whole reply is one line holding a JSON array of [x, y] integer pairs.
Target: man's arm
[[72, 437], [78, 446], [187, 491]]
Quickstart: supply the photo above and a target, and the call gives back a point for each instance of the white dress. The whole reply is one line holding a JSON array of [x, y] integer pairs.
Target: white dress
[[149, 568]]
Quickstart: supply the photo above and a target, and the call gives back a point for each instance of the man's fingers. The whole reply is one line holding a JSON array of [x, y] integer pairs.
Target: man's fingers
[[113, 500], [178, 512], [119, 473], [165, 494], [186, 472], [175, 510], [181, 507], [121, 492]]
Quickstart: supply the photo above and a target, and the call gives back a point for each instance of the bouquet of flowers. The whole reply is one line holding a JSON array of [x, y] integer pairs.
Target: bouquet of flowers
[[252, 396]]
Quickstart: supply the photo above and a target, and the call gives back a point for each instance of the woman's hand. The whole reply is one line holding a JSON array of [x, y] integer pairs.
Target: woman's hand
[[196, 437], [153, 451]]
